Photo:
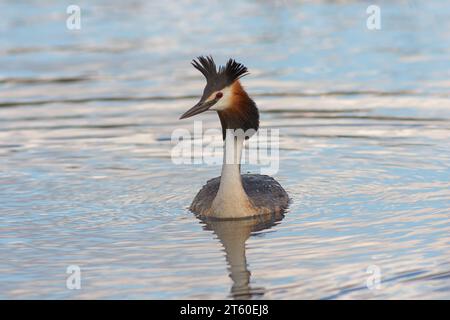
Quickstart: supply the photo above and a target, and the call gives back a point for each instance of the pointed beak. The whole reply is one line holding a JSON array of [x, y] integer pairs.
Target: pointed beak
[[200, 107]]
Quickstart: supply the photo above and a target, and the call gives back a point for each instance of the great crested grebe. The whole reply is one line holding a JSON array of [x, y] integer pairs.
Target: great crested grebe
[[233, 195]]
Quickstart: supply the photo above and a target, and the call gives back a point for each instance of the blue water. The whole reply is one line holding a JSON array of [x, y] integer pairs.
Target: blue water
[[87, 179]]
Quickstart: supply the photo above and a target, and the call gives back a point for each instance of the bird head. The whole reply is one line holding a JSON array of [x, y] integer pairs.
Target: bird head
[[223, 93]]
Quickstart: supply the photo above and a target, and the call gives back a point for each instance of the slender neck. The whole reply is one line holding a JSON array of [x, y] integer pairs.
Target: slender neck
[[231, 200], [230, 181]]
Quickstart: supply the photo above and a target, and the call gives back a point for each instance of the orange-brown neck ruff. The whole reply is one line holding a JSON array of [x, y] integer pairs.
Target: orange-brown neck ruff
[[242, 114]]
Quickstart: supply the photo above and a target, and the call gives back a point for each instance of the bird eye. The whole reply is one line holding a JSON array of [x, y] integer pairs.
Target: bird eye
[[219, 95]]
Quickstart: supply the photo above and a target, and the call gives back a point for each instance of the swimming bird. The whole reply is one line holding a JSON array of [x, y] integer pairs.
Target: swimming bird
[[233, 195]]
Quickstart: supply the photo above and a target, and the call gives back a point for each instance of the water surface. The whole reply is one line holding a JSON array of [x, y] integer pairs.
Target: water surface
[[86, 176]]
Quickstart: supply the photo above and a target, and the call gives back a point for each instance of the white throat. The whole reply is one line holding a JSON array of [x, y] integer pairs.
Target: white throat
[[231, 200]]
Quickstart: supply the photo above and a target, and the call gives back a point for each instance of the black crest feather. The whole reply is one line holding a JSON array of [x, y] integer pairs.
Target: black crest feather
[[206, 66], [234, 70], [217, 79]]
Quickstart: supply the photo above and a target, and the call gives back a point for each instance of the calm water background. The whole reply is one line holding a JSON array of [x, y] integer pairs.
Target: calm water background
[[86, 176]]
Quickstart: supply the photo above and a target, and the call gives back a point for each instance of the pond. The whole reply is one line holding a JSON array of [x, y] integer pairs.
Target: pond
[[87, 178]]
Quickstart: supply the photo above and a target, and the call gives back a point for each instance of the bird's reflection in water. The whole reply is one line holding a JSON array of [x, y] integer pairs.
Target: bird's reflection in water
[[233, 235]]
